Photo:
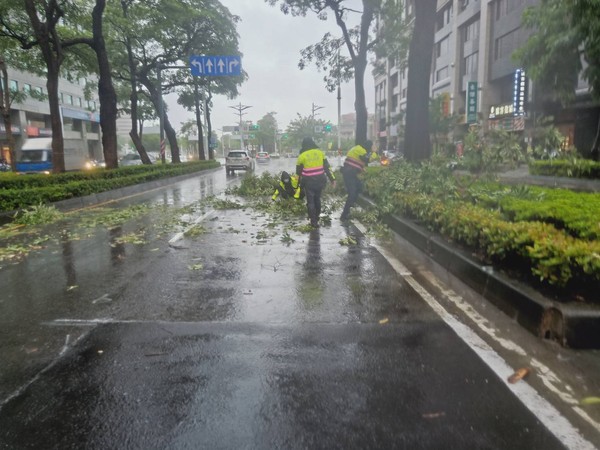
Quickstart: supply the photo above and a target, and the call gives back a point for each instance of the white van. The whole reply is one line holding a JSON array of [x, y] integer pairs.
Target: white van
[[36, 156]]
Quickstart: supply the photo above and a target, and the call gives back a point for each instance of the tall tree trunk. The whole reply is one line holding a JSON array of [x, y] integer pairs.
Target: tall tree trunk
[[172, 137], [136, 137], [416, 135], [360, 105], [156, 98], [360, 65], [58, 153], [53, 55], [211, 150], [201, 152], [106, 91]]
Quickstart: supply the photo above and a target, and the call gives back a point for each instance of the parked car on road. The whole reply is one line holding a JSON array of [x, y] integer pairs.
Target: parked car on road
[[238, 160], [134, 159], [263, 157]]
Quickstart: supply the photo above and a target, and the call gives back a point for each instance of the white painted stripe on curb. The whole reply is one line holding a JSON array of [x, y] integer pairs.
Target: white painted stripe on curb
[[547, 414]]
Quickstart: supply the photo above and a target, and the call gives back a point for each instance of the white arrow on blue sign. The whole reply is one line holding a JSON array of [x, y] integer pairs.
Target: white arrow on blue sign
[[206, 66]]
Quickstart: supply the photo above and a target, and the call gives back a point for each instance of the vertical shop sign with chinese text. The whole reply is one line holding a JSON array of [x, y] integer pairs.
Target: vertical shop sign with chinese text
[[472, 102], [520, 93]]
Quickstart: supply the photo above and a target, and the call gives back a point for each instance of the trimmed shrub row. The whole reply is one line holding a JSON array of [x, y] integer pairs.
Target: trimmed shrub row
[[506, 235], [17, 192], [577, 168]]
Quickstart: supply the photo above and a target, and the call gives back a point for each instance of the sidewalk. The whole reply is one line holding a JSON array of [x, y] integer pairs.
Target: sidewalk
[[521, 176]]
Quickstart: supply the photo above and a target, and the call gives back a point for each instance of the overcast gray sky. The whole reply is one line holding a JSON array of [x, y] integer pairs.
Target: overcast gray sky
[[270, 43]]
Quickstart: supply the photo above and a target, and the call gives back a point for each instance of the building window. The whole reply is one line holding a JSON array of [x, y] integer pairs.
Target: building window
[[404, 93], [441, 74], [444, 16], [442, 47], [504, 7], [26, 87], [38, 90], [505, 45], [471, 63], [13, 85], [471, 31], [394, 102], [394, 80], [78, 102]]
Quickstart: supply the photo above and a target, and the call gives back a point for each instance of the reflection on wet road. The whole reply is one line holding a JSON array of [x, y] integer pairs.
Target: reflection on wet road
[[160, 322]]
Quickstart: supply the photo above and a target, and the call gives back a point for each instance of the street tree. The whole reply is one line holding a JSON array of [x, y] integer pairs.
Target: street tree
[[266, 134], [326, 54], [417, 141], [564, 44], [45, 26], [167, 36], [305, 126], [41, 28]]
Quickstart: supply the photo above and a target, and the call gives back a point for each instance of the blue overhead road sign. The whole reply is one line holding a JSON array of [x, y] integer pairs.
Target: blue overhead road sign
[[206, 66]]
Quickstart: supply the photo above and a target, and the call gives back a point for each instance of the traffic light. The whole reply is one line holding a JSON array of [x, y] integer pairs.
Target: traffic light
[[254, 127], [328, 128]]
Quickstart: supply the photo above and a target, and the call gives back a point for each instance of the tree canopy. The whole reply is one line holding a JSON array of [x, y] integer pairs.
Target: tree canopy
[[327, 55], [564, 45]]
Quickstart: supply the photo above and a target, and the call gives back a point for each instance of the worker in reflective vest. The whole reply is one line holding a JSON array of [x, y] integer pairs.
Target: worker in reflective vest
[[356, 160], [288, 187], [313, 169]]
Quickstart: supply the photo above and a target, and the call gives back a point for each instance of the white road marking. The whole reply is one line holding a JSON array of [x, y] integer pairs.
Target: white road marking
[[180, 235], [547, 414]]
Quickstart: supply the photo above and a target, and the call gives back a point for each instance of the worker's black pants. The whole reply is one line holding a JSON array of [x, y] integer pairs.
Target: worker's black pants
[[313, 187], [353, 188]]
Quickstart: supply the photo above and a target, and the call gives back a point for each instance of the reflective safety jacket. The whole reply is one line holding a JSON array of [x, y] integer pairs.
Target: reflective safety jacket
[[313, 164], [288, 190], [357, 158]]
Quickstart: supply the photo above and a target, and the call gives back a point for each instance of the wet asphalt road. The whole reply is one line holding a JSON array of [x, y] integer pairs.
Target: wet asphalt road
[[139, 336]]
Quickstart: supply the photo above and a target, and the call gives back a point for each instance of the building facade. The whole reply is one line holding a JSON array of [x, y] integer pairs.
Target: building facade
[[31, 118], [473, 71]]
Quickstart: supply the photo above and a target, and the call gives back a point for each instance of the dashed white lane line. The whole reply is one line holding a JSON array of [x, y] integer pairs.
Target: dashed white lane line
[[547, 414]]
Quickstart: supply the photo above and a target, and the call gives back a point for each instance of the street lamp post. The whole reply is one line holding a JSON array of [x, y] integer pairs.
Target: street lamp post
[[240, 111], [314, 110]]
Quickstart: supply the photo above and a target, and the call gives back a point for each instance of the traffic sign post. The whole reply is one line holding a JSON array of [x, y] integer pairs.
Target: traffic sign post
[[207, 66]]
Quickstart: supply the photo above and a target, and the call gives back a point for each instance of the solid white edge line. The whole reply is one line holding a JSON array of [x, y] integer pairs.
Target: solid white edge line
[[547, 414]]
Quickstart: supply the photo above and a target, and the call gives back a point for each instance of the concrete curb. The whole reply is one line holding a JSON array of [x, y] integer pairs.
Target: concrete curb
[[572, 325]]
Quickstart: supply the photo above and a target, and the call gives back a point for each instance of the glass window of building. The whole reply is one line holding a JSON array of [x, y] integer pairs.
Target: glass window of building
[[26, 87], [13, 85], [441, 74], [471, 63], [442, 47], [471, 31]]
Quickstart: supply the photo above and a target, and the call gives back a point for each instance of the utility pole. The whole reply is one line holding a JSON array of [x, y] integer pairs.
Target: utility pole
[[240, 111]]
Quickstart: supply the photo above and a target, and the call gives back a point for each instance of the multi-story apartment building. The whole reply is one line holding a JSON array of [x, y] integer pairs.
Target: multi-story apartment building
[[473, 69], [31, 118]]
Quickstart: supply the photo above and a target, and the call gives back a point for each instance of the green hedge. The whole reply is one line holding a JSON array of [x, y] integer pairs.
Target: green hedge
[[446, 205], [21, 191], [577, 168]]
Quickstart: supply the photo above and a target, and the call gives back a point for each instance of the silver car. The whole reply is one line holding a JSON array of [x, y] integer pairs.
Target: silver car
[[238, 160]]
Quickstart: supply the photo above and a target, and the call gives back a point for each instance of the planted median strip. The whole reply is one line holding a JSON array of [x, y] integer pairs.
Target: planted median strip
[[548, 235]]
